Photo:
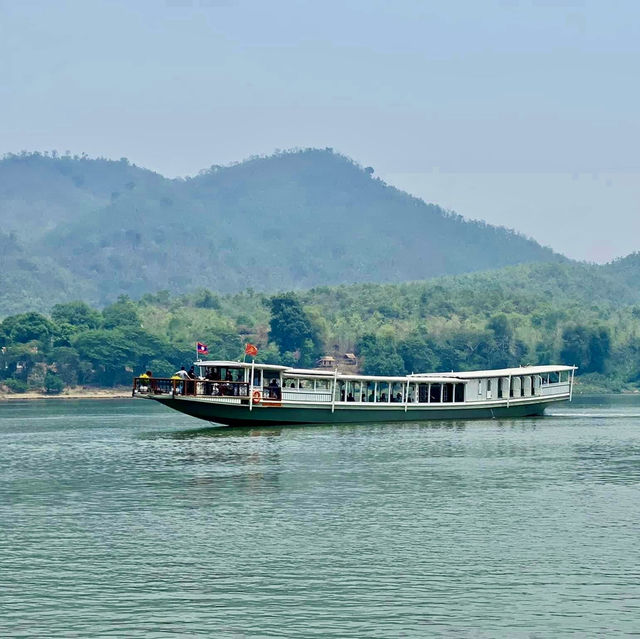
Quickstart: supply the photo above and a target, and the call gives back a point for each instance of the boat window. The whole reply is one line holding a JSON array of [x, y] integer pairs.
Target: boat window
[[384, 389], [553, 377], [423, 393], [479, 387], [435, 393], [459, 393], [397, 392], [447, 392], [383, 392], [564, 376]]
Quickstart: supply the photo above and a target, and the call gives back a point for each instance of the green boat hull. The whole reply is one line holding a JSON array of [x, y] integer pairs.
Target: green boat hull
[[241, 415]]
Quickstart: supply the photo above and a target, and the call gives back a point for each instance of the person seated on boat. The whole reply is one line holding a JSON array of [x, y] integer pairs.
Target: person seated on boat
[[176, 383], [371, 397], [229, 376], [351, 398], [274, 389], [383, 397], [145, 381], [399, 398]]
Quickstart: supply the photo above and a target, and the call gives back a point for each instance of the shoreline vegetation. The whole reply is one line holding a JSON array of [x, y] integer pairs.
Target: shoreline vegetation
[[70, 393], [525, 315]]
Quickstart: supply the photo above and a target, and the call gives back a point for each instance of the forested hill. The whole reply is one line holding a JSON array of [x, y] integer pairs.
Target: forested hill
[[74, 227]]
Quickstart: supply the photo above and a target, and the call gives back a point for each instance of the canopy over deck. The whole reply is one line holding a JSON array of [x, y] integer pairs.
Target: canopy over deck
[[229, 364]]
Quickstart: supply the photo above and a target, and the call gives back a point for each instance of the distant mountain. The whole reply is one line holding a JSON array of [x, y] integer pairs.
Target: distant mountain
[[77, 227]]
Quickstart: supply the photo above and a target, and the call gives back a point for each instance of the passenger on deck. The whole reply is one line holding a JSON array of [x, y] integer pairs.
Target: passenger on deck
[[182, 373], [191, 386], [209, 388], [351, 398], [399, 397], [274, 389], [229, 376], [145, 381], [383, 397]]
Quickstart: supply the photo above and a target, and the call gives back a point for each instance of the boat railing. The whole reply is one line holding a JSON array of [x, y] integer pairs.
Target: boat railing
[[189, 387]]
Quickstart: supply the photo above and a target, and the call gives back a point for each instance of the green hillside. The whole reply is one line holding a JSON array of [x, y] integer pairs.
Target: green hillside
[[96, 229]]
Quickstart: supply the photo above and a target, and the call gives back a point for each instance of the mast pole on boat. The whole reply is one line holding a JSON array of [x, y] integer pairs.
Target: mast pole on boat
[[573, 372], [333, 393], [253, 361], [406, 396]]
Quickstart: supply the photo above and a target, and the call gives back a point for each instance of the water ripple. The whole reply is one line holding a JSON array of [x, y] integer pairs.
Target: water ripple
[[122, 519]]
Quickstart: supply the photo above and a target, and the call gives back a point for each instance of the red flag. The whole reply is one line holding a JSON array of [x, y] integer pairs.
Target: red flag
[[202, 349], [250, 349]]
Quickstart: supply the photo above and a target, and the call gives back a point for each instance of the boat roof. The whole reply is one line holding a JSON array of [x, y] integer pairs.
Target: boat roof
[[230, 364], [461, 376], [500, 372]]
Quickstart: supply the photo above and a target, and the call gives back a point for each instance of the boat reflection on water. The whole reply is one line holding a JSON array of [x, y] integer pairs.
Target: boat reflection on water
[[222, 432]]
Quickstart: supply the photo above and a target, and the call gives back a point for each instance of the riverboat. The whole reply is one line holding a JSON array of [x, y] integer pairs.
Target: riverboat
[[249, 394]]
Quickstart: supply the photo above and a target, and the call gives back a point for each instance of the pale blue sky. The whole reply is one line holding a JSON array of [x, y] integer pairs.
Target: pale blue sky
[[523, 113]]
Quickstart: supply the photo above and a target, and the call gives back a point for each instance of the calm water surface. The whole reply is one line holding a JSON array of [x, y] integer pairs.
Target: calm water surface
[[125, 519]]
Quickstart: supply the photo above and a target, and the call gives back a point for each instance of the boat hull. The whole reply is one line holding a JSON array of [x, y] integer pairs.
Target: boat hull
[[241, 415]]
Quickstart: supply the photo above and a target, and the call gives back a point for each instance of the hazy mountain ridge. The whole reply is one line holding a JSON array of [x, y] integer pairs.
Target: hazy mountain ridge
[[289, 221]]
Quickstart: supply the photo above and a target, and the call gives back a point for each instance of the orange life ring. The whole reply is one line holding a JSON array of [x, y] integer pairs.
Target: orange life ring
[[257, 397]]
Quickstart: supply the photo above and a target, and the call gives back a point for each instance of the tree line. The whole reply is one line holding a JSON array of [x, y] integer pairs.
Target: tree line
[[440, 325]]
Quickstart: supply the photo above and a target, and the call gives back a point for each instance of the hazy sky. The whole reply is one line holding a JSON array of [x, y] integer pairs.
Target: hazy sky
[[522, 113]]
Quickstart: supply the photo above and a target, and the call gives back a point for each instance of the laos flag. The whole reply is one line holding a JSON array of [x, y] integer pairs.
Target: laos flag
[[202, 348]]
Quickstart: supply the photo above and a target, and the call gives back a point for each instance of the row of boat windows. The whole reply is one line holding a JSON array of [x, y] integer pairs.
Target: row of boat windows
[[381, 392]]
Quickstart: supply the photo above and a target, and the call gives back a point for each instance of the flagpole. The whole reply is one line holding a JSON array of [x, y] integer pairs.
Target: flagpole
[[253, 361]]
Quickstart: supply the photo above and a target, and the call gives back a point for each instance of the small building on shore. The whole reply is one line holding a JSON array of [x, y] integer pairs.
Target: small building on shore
[[327, 361]]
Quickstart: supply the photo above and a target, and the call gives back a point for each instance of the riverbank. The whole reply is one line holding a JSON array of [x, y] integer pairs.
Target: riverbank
[[78, 392]]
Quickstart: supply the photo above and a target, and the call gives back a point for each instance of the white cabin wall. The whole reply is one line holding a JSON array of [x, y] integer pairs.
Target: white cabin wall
[[472, 391]]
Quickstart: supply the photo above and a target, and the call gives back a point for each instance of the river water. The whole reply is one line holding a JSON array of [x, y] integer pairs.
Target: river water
[[125, 519]]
